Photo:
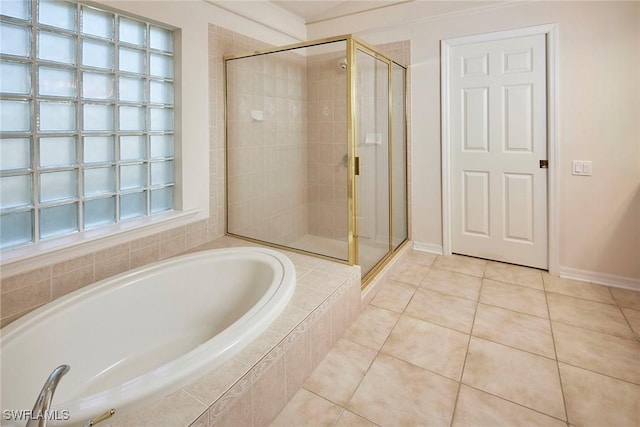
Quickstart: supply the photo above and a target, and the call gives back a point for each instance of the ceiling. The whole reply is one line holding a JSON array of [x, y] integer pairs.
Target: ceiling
[[313, 11]]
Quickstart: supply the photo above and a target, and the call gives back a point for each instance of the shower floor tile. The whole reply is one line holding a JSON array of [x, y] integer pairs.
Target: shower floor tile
[[510, 352]]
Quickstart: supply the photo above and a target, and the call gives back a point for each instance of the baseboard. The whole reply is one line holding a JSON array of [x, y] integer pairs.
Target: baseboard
[[427, 247], [600, 278], [567, 272]]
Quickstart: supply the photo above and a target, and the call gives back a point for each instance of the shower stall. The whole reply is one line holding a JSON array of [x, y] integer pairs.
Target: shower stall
[[316, 150]]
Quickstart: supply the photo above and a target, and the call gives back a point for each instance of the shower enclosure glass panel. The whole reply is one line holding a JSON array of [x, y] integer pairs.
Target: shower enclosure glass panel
[[399, 155], [372, 147], [316, 150], [287, 148]]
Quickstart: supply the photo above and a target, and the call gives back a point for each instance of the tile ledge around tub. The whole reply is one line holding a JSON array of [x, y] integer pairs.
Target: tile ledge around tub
[[260, 355]]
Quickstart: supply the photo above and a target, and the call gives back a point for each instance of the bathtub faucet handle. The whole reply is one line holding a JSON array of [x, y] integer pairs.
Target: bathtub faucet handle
[[39, 412]]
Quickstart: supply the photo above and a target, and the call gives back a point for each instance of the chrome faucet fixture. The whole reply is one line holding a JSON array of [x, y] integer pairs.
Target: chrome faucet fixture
[[39, 412]]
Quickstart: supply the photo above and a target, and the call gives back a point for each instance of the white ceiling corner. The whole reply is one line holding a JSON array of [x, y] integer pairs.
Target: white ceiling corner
[[313, 11]]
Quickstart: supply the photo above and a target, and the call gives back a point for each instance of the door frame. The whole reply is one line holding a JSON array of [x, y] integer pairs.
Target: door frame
[[551, 35]]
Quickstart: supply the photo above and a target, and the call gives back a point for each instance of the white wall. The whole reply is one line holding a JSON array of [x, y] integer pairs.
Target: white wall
[[598, 116]]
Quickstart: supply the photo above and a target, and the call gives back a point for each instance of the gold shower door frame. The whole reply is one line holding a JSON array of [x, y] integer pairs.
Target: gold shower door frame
[[353, 46]]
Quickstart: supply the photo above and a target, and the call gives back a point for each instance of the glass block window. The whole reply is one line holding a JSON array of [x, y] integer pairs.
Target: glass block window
[[86, 119]]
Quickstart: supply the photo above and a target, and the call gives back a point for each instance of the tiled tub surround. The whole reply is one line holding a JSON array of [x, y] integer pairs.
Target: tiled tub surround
[[24, 292], [459, 341], [255, 385], [252, 387]]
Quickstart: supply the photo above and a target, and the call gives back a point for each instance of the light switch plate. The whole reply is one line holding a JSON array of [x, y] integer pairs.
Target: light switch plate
[[581, 167]]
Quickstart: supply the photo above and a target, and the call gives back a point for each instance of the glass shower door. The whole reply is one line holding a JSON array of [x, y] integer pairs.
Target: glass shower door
[[372, 148], [399, 156]]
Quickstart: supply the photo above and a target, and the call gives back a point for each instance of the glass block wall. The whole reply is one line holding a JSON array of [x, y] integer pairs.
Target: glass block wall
[[86, 119]]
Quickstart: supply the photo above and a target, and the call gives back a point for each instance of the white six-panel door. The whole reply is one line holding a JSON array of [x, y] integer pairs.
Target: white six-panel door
[[498, 135]]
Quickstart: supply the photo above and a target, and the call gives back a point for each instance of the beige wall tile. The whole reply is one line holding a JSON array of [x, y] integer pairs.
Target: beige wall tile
[[72, 264], [320, 330], [240, 413], [354, 294], [18, 281], [202, 421], [144, 255], [176, 409], [339, 314], [25, 298], [112, 266], [171, 247], [221, 405], [269, 394], [514, 375], [143, 242], [297, 361], [68, 282], [196, 239], [173, 233], [288, 320], [212, 385], [118, 250]]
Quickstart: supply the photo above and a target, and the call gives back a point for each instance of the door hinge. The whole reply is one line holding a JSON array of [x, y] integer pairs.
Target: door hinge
[[356, 166], [544, 164]]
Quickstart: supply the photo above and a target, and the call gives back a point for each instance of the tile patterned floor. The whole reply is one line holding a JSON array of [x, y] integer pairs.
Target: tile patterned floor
[[458, 341]]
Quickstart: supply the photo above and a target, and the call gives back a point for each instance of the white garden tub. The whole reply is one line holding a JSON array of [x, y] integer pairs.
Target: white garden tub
[[138, 336]]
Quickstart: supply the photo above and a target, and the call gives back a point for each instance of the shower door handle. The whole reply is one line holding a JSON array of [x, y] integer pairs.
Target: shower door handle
[[356, 166]]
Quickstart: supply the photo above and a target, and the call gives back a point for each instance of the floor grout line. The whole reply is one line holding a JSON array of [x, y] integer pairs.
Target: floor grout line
[[466, 354], [555, 351], [470, 334]]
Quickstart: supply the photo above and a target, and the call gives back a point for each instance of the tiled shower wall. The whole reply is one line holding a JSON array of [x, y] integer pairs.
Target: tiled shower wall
[[267, 151], [327, 134]]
